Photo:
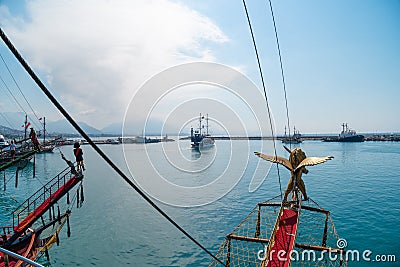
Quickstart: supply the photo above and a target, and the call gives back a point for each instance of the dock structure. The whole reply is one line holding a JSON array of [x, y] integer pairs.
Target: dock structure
[[20, 238]]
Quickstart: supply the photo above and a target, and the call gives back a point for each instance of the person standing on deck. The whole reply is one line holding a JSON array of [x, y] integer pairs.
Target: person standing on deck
[[70, 164], [12, 149], [79, 156], [34, 139]]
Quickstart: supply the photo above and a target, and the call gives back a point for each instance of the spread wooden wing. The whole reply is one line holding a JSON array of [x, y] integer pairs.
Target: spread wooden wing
[[275, 159], [311, 161]]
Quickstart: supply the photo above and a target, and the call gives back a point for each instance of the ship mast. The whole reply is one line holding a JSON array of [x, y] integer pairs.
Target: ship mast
[[200, 124], [26, 121], [207, 123], [44, 129]]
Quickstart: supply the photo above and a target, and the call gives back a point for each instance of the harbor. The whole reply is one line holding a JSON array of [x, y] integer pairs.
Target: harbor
[[180, 133], [384, 137], [103, 192]]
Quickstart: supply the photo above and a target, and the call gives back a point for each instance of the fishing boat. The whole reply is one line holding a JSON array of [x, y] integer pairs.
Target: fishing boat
[[201, 140], [47, 149], [288, 230], [23, 153], [346, 135], [294, 139]]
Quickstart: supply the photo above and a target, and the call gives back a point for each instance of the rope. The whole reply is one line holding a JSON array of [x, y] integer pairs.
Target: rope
[[282, 73], [5, 118], [265, 92], [19, 88], [95, 147], [9, 91], [15, 99]]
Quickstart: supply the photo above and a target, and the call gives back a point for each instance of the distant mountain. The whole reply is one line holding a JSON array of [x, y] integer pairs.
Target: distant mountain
[[9, 131], [114, 129], [135, 127], [14, 121], [64, 127]]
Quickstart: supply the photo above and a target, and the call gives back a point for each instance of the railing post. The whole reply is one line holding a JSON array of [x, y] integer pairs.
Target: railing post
[[325, 236], [228, 254], [5, 259], [258, 222]]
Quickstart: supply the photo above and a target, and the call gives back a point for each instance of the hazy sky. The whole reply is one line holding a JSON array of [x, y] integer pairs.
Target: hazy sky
[[341, 58]]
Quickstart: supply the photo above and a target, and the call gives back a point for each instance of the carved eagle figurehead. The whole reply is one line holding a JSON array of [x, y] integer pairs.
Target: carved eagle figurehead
[[296, 157], [296, 161], [296, 164]]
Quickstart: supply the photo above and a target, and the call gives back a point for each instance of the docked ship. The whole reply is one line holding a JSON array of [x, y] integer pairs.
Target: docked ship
[[3, 142], [201, 140], [346, 135]]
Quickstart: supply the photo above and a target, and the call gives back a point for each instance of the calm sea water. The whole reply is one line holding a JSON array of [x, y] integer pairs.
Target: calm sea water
[[115, 227]]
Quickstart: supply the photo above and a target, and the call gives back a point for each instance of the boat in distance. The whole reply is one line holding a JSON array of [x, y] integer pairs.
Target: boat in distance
[[346, 135], [200, 140], [294, 139]]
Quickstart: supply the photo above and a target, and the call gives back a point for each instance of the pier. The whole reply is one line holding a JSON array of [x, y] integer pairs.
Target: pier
[[368, 137]]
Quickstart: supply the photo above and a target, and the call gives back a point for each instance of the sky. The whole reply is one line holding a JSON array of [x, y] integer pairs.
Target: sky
[[341, 61]]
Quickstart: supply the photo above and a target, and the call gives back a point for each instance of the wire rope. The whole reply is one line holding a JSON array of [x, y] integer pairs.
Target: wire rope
[[19, 88], [265, 91], [282, 72], [96, 148]]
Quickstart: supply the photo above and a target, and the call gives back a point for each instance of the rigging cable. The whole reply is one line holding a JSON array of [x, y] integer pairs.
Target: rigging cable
[[15, 99], [6, 120], [19, 88], [96, 148], [265, 92], [282, 73]]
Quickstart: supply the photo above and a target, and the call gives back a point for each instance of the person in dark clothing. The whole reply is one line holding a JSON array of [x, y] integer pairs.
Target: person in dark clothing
[[34, 139], [79, 156]]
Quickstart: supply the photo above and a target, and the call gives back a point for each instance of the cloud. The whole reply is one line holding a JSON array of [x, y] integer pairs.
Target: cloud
[[95, 54]]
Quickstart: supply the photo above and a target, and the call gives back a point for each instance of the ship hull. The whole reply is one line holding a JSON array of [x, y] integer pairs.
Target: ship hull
[[354, 138], [204, 143]]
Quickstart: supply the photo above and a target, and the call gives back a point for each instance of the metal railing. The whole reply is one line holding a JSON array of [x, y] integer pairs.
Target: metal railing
[[41, 195], [7, 253]]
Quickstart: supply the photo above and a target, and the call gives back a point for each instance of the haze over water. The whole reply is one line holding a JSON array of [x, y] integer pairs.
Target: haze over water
[[115, 227]]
